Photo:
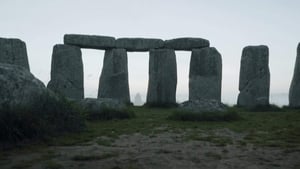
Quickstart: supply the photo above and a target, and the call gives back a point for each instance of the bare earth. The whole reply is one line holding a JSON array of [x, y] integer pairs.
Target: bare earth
[[163, 150]]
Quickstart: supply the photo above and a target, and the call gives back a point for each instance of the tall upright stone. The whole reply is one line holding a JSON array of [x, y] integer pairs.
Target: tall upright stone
[[162, 77], [294, 93], [13, 51], [254, 85], [113, 81], [67, 72], [205, 78]]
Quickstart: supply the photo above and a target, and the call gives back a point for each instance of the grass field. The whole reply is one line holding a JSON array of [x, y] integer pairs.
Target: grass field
[[280, 129], [256, 139]]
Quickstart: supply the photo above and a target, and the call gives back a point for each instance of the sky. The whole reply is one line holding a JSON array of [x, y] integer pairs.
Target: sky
[[229, 25]]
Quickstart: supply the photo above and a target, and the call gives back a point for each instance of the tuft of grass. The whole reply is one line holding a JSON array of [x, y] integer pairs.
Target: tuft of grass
[[53, 165], [93, 157], [161, 105], [205, 116], [213, 155], [110, 114], [217, 140]]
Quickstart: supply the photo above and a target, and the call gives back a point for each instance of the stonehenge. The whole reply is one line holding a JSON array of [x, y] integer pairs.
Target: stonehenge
[[162, 77], [294, 92], [113, 82], [205, 77], [254, 84], [13, 51], [67, 72]]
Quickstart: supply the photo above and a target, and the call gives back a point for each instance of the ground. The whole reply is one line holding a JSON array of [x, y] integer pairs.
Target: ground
[[258, 140]]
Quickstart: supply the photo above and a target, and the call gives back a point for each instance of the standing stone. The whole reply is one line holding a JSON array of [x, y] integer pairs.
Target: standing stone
[[162, 77], [294, 94], [254, 85], [113, 81], [13, 51], [205, 79], [67, 72]]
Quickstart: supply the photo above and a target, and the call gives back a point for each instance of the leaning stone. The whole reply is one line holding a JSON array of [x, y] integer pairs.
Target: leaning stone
[[254, 85], [113, 81], [162, 77], [294, 93], [139, 44], [13, 51], [67, 72], [90, 41], [186, 43], [19, 88], [205, 79]]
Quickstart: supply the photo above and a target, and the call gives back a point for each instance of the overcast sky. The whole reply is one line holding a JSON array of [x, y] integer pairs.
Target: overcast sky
[[229, 25]]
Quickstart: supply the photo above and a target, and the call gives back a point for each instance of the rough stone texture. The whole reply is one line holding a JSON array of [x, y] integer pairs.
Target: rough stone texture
[[139, 44], [114, 76], [90, 41], [294, 93], [67, 72], [254, 85], [18, 87], [203, 105], [96, 105], [162, 77], [186, 43], [13, 51], [205, 79]]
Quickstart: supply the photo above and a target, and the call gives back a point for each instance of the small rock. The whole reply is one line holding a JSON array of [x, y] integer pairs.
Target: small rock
[[203, 105]]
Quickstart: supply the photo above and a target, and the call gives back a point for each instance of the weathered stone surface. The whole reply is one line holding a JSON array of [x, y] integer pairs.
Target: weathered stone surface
[[13, 51], [205, 78], [67, 72], [90, 41], [113, 81], [254, 85], [139, 44], [294, 93], [203, 105], [162, 77], [96, 105], [18, 87], [186, 43]]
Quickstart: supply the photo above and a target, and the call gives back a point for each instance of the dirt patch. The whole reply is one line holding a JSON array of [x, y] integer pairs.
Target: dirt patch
[[191, 149]]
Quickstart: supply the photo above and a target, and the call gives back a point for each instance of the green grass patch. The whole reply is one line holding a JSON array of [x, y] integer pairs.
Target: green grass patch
[[205, 116], [110, 114], [53, 165]]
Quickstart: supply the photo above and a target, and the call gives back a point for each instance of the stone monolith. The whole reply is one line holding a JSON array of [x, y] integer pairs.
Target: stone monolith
[[162, 77], [67, 72], [254, 85], [205, 78], [113, 81], [294, 93], [13, 51], [186, 43]]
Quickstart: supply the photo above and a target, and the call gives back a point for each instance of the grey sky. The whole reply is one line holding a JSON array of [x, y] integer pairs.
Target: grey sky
[[230, 25]]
